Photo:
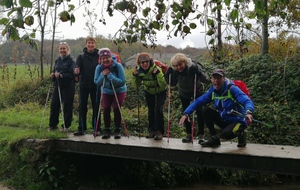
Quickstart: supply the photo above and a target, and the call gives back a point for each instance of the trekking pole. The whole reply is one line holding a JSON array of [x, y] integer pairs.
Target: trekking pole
[[193, 121], [169, 106], [139, 122], [47, 98], [99, 109], [119, 109], [61, 106], [244, 116]]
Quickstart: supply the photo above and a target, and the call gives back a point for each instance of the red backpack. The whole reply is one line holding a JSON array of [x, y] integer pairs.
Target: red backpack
[[242, 86], [163, 66]]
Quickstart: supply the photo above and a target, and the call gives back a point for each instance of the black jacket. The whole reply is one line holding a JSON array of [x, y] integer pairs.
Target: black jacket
[[87, 62], [65, 66]]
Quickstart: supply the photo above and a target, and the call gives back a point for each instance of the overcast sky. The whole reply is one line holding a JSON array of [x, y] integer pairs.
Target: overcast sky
[[196, 39]]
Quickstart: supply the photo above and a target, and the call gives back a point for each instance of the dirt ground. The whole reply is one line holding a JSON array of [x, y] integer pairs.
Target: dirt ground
[[4, 188]]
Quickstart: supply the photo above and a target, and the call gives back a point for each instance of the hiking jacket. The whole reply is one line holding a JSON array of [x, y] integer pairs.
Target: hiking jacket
[[87, 62], [65, 66], [239, 101], [116, 76], [154, 84], [185, 80]]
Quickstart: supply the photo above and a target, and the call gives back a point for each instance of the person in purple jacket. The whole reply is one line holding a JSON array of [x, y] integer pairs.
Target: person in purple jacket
[[227, 98]]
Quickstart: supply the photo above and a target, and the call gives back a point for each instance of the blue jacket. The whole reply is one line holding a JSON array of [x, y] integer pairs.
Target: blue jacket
[[228, 98], [116, 76]]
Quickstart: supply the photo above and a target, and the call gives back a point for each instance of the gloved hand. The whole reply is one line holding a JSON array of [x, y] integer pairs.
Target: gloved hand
[[169, 71], [194, 69]]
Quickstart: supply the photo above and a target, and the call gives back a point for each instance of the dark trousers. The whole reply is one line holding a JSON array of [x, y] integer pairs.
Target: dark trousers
[[229, 130], [67, 98], [84, 93], [155, 105], [185, 102]]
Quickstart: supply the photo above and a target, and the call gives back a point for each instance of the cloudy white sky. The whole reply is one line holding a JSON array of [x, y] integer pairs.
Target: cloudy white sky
[[78, 29]]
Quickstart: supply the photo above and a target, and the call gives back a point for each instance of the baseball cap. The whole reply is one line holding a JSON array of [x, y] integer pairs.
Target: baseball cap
[[218, 72]]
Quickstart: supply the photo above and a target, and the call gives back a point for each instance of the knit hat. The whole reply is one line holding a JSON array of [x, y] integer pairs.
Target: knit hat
[[104, 52]]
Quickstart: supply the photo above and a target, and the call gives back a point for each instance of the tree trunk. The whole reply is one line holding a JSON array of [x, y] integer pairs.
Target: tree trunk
[[265, 31]]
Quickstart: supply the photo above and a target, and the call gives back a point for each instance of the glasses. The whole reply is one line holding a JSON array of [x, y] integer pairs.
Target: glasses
[[62, 43], [144, 62]]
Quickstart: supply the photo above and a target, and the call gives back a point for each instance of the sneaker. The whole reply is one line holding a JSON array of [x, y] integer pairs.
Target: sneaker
[[52, 128], [187, 139], [201, 139], [150, 135], [158, 136], [212, 142], [79, 133], [106, 135], [242, 139], [117, 136]]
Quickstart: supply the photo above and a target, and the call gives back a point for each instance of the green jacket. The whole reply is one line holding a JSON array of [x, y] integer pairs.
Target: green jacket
[[153, 84]]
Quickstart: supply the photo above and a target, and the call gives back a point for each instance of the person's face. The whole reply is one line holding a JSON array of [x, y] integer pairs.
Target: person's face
[[63, 49], [179, 66], [90, 45], [106, 60], [217, 81], [145, 64]]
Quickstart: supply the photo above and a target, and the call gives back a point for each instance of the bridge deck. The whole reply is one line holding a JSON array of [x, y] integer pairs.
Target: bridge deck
[[255, 157]]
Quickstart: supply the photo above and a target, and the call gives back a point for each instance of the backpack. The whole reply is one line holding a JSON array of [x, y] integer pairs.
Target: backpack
[[202, 68], [242, 86], [117, 56], [163, 66]]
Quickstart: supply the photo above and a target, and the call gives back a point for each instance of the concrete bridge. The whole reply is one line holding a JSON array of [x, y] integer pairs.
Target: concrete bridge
[[255, 157]]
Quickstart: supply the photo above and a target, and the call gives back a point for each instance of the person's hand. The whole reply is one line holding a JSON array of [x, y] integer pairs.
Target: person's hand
[[169, 71], [135, 72], [194, 70], [77, 71], [155, 71], [249, 116], [183, 118], [106, 72], [58, 75], [52, 75]]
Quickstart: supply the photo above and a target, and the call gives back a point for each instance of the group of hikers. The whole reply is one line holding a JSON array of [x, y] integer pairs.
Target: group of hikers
[[102, 79]]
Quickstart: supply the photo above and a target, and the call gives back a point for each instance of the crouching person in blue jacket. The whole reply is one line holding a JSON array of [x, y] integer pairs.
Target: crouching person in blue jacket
[[227, 98]]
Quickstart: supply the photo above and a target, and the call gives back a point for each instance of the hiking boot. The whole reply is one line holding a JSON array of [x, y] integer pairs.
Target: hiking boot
[[150, 135], [64, 130], [242, 139], [212, 142], [187, 139], [158, 136], [79, 133], [201, 139], [117, 135], [52, 128], [98, 133], [106, 135]]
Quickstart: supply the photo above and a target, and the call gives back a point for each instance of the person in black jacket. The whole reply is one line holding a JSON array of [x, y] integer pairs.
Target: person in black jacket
[[64, 88], [183, 73], [86, 64]]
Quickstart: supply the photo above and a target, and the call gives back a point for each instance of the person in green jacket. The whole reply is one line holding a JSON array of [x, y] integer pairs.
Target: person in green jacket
[[155, 87]]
